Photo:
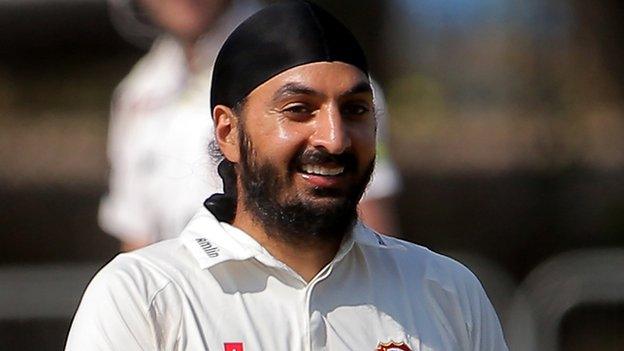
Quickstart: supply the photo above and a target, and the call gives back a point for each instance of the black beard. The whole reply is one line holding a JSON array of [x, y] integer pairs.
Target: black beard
[[294, 220]]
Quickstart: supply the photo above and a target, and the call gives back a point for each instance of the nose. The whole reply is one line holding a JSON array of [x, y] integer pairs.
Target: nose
[[330, 131]]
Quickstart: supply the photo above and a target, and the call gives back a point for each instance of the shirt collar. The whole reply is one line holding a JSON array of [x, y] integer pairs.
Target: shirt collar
[[363, 235], [212, 242]]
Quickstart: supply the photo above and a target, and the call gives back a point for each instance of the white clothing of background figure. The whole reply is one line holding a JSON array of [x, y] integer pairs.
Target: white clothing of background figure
[[159, 134]]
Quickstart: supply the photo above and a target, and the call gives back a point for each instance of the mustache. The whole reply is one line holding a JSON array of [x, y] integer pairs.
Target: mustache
[[322, 156]]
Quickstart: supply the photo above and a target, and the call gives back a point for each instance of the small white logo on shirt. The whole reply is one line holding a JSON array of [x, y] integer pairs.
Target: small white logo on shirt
[[209, 249]]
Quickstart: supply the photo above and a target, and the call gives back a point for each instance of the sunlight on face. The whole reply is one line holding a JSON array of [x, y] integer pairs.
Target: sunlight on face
[[307, 146]]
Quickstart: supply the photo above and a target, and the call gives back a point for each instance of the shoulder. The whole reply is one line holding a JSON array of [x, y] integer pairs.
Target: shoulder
[[131, 304], [139, 285], [438, 265], [418, 263], [440, 285], [143, 273]]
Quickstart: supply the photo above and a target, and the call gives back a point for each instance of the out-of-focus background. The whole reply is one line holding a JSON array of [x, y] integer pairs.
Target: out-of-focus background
[[507, 124]]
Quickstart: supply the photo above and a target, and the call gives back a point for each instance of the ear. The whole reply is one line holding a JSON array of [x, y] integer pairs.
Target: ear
[[226, 132]]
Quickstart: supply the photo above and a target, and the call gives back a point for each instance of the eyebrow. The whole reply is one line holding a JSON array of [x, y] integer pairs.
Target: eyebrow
[[291, 89], [361, 87]]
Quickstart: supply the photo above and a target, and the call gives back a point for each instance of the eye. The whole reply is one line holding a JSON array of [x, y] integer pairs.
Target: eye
[[297, 110], [355, 109]]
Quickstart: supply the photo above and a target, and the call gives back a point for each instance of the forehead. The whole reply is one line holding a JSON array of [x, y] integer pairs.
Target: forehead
[[327, 78]]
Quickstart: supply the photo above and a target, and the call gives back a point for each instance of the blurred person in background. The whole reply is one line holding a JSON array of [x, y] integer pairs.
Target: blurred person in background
[[161, 127]]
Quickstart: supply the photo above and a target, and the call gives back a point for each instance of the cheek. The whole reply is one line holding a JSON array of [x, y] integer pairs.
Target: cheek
[[364, 142], [279, 139], [288, 132]]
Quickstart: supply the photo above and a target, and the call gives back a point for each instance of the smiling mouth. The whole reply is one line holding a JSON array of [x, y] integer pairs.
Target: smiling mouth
[[322, 170]]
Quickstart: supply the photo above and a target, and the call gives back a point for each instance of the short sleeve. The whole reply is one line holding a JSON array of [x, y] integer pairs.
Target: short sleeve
[[114, 314], [486, 333]]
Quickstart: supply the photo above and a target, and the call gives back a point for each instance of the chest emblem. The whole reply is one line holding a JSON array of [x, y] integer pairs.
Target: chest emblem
[[392, 346]]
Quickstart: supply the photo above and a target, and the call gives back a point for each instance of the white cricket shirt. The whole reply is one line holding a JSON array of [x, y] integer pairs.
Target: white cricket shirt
[[215, 288]]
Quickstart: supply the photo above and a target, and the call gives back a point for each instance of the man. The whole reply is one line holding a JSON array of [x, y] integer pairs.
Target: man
[[280, 262], [159, 133]]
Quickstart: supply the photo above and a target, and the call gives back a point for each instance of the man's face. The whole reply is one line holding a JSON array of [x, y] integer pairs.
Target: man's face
[[307, 144], [186, 19]]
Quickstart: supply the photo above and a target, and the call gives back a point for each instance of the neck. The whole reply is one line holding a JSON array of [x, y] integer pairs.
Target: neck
[[307, 259]]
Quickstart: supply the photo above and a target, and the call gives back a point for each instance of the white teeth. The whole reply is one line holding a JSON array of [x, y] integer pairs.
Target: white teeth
[[320, 170]]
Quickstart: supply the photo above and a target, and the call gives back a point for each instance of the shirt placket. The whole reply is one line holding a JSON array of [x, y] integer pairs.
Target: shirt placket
[[313, 319], [315, 333]]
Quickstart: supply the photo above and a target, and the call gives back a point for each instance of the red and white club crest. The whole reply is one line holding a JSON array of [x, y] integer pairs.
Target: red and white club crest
[[392, 346]]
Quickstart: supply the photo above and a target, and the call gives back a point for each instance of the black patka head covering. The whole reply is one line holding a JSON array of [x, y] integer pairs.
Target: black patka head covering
[[279, 37]]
